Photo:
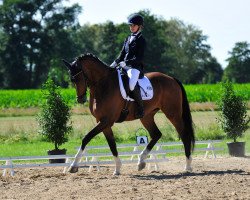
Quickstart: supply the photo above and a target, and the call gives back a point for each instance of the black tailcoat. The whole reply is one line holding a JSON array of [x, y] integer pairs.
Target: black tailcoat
[[133, 52]]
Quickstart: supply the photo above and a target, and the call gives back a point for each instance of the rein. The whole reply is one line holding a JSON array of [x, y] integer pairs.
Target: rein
[[73, 77]]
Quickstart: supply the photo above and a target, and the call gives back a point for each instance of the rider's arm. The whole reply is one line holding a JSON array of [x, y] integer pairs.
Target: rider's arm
[[122, 53]]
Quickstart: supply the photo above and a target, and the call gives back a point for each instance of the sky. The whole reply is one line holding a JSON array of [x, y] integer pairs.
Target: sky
[[225, 22]]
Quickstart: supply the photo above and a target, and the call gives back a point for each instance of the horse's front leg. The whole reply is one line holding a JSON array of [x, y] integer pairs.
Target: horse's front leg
[[112, 145], [155, 134], [74, 166]]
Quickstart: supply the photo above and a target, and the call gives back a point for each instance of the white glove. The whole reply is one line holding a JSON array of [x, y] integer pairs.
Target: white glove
[[113, 65], [122, 64]]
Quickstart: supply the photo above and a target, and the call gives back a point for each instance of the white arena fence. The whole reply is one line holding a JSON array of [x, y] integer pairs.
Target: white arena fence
[[101, 156]]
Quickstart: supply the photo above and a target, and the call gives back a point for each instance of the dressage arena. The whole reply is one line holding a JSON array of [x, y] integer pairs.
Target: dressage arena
[[220, 178]]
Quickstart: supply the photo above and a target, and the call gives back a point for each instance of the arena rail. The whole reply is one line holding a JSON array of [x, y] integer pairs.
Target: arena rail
[[93, 156]]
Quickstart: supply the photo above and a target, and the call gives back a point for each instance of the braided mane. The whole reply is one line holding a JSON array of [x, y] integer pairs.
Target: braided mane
[[90, 56]]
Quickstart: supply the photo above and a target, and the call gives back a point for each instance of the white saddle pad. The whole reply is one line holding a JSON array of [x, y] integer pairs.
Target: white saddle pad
[[145, 86]]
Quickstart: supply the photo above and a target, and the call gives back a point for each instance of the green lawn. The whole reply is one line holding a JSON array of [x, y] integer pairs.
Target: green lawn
[[40, 148]]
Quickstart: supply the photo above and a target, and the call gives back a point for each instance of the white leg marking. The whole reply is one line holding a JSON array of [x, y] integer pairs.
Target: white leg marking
[[142, 157], [188, 167], [78, 157], [74, 165], [118, 165]]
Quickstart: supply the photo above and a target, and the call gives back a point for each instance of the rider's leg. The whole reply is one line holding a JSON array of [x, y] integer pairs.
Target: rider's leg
[[138, 99], [133, 75]]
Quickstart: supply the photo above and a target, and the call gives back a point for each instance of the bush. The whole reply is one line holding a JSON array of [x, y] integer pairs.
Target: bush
[[54, 115], [233, 118]]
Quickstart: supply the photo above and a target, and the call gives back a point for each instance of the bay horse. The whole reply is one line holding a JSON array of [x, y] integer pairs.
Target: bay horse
[[106, 104]]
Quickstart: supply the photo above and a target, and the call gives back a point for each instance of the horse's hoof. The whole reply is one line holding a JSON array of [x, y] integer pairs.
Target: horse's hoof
[[188, 169], [116, 173], [73, 169], [141, 166]]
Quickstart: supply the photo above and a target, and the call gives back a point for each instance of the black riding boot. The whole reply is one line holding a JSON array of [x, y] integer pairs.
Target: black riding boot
[[138, 100]]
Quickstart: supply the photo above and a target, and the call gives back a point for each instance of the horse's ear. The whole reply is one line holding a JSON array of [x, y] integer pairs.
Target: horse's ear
[[67, 64]]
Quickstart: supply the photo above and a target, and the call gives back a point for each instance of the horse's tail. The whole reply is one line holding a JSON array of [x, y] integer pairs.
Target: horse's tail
[[187, 118]]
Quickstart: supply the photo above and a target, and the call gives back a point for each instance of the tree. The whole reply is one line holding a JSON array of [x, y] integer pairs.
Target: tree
[[189, 53], [212, 71], [3, 40], [238, 69], [173, 47], [156, 43], [233, 118], [35, 32], [54, 116], [35, 35], [107, 44], [86, 39]]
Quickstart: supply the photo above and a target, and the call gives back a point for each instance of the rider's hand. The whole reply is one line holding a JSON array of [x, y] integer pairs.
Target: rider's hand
[[122, 64], [113, 65]]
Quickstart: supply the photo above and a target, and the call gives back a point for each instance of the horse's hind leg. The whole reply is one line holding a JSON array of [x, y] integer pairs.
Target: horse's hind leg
[[179, 125], [112, 145], [155, 134]]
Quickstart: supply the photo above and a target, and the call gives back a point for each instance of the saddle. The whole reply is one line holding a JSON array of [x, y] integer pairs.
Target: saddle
[[144, 84]]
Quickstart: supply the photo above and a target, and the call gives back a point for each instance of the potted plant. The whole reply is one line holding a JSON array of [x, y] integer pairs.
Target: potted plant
[[233, 118], [53, 119]]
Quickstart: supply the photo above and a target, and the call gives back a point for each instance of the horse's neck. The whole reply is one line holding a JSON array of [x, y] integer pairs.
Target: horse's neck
[[96, 71], [101, 92], [101, 78]]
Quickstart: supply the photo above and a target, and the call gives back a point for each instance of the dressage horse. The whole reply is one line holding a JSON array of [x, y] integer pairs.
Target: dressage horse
[[106, 104]]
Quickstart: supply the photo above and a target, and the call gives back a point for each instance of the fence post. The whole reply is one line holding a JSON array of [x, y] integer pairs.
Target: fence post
[[210, 147], [154, 156], [135, 149], [5, 170], [94, 159], [65, 168], [12, 173]]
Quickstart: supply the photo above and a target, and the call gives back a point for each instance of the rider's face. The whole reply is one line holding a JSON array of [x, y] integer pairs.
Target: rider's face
[[133, 28]]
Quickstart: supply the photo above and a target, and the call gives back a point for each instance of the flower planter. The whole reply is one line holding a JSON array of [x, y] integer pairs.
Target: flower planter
[[57, 152], [236, 149]]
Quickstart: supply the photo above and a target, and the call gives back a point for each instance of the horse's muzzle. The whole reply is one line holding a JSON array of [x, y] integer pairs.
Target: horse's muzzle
[[82, 99]]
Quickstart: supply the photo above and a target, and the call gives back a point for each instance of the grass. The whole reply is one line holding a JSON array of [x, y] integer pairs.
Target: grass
[[19, 135]]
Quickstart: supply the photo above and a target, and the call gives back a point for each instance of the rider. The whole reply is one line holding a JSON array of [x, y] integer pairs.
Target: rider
[[131, 59]]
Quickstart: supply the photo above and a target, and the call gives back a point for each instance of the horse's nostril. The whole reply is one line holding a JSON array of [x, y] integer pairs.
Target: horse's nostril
[[82, 99]]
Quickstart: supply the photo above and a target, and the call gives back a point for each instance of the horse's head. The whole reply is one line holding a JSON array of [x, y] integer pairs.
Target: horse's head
[[78, 78]]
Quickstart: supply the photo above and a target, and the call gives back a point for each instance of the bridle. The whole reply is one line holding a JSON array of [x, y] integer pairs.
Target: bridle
[[73, 78]]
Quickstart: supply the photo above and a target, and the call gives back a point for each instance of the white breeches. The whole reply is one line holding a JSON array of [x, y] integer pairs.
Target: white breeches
[[133, 75]]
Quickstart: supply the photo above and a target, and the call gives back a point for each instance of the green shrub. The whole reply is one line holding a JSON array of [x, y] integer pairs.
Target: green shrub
[[209, 132], [233, 118], [195, 93], [54, 116]]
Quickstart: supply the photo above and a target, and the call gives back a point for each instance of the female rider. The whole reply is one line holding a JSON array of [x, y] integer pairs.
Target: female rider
[[131, 59]]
